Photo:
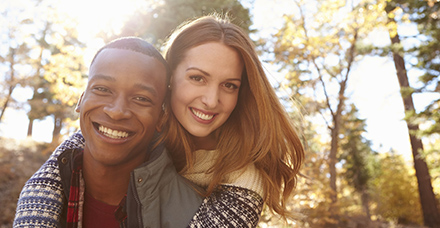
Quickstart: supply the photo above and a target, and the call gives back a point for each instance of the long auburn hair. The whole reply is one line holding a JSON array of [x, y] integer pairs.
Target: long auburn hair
[[258, 131]]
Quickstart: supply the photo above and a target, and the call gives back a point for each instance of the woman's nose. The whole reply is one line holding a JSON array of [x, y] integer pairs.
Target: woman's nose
[[210, 97]]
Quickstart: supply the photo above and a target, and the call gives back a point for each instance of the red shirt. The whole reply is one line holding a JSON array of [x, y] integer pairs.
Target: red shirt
[[98, 214]]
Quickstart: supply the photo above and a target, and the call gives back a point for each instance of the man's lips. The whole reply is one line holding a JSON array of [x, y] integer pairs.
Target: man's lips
[[111, 133]]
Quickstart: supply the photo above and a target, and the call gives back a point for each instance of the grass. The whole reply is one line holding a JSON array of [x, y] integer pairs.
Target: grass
[[19, 159]]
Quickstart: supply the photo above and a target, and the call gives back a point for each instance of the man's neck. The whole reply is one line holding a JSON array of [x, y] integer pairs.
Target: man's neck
[[107, 184]]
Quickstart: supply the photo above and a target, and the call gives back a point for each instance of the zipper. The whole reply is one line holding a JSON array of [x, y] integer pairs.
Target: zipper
[[137, 200]]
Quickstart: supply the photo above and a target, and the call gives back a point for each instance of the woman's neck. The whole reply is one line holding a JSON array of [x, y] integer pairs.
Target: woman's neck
[[205, 143]]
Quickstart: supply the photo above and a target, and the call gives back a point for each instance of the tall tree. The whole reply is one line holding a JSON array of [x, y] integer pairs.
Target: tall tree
[[318, 46], [162, 17], [37, 37], [59, 68], [16, 55], [358, 156], [65, 74], [431, 214], [426, 14]]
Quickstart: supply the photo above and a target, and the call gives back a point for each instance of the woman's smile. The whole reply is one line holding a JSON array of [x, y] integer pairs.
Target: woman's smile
[[202, 115]]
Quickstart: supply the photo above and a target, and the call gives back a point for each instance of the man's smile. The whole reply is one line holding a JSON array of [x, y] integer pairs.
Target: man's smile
[[111, 133]]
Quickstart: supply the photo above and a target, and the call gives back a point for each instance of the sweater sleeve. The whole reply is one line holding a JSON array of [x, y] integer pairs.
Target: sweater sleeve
[[237, 202], [41, 199], [229, 206]]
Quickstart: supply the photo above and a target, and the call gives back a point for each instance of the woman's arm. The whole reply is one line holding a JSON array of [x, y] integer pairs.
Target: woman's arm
[[229, 206], [41, 199]]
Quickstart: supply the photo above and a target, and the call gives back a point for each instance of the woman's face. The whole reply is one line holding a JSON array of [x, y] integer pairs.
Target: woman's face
[[204, 89]]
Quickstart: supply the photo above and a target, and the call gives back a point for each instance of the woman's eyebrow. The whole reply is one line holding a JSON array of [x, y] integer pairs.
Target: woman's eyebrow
[[198, 69]]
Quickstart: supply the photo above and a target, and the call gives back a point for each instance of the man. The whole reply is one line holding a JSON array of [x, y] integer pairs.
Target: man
[[113, 177]]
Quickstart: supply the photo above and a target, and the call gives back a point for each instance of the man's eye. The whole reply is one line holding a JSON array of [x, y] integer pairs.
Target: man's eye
[[101, 89], [143, 99]]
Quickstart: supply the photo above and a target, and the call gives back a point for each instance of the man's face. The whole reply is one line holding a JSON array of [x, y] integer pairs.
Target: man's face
[[121, 107]]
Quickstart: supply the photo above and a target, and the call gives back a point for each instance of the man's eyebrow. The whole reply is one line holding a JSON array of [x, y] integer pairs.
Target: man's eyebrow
[[102, 76], [146, 88], [198, 69], [136, 86]]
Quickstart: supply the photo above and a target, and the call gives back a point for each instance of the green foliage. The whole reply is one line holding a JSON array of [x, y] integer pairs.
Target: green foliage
[[14, 55], [426, 14], [46, 57], [59, 77], [406, 92], [395, 191], [432, 155], [357, 154], [157, 22], [318, 47]]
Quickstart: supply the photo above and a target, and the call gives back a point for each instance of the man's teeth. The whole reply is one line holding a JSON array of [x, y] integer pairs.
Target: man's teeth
[[202, 115], [114, 134]]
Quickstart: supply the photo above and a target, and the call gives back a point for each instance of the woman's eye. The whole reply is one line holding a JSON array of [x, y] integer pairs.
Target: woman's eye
[[231, 86], [196, 78]]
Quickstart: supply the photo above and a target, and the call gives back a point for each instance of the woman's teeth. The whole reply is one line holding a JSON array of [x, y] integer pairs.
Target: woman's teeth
[[202, 115], [114, 134]]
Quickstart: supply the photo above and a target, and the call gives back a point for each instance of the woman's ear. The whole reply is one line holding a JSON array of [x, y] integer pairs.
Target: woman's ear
[[170, 86], [78, 104]]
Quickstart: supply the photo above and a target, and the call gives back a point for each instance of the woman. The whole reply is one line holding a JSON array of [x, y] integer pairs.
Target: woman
[[224, 124]]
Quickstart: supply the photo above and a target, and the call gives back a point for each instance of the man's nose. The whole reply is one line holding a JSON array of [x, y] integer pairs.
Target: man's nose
[[118, 109]]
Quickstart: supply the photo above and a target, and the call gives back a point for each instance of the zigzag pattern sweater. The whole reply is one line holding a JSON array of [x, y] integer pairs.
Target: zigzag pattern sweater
[[41, 199]]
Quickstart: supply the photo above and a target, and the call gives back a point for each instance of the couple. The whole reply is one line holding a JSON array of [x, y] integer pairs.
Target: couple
[[198, 140]]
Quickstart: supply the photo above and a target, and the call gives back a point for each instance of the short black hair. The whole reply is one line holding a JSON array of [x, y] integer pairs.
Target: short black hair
[[135, 44]]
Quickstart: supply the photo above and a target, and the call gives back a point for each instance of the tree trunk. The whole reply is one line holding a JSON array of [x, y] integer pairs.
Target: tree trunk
[[365, 198], [335, 130], [334, 210], [57, 125], [30, 127], [5, 105], [332, 161], [12, 82], [431, 215]]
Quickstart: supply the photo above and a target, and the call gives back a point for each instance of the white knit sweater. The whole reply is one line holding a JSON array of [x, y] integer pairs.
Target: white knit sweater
[[248, 177]]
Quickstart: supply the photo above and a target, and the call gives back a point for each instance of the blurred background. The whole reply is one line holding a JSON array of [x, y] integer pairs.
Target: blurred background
[[359, 77]]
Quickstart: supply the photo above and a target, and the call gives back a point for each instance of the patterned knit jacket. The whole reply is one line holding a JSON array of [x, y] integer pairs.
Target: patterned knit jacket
[[41, 199]]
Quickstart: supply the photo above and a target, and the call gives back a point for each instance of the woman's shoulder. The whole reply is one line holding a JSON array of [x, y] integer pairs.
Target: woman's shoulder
[[248, 177]]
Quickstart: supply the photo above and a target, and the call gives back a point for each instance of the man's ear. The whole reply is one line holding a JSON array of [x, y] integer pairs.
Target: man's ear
[[78, 104]]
